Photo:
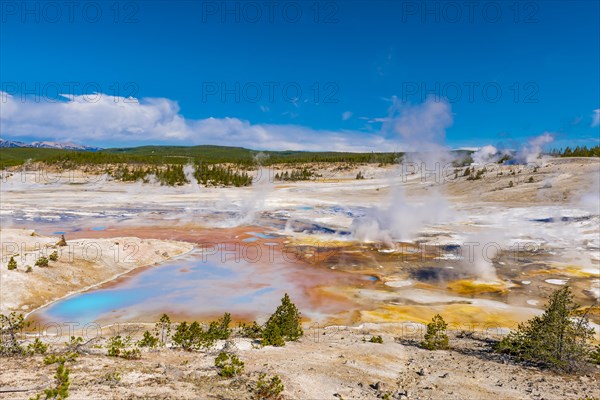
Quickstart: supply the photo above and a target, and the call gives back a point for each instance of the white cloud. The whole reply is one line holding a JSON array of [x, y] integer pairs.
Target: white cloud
[[346, 115], [596, 118], [129, 121]]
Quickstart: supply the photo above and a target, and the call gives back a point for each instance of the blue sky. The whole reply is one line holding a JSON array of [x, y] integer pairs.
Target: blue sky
[[303, 75]]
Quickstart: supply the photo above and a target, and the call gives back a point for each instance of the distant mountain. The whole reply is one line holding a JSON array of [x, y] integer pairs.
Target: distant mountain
[[46, 145]]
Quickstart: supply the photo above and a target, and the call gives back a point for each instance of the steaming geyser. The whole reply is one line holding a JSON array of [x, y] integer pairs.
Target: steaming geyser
[[400, 220]]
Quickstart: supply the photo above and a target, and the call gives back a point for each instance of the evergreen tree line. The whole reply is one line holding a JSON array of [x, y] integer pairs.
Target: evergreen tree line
[[579, 151], [217, 175], [302, 174], [172, 175]]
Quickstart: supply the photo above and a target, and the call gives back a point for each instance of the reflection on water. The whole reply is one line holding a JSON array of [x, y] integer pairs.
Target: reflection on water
[[187, 287]]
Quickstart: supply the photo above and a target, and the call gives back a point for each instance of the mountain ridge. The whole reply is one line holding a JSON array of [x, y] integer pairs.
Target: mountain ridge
[[46, 145]]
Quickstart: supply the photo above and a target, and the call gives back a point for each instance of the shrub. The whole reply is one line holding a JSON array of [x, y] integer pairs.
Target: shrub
[[53, 358], [376, 339], [435, 337], [10, 327], [28, 269], [511, 184], [41, 262], [62, 242], [111, 378], [149, 340], [74, 344], [37, 347], [229, 365], [119, 347], [253, 331], [219, 330], [192, 337], [271, 336], [530, 179], [185, 335], [53, 256], [12, 264], [595, 356], [62, 383], [556, 339], [269, 388], [287, 319]]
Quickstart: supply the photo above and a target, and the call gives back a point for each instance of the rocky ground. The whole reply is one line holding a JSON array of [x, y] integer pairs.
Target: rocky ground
[[335, 363]]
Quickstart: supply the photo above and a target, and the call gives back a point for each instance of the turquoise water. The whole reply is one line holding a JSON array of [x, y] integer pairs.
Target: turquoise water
[[261, 235], [190, 286]]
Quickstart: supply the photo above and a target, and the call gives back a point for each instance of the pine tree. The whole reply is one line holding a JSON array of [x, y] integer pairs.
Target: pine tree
[[271, 335], [557, 339], [12, 264], [287, 319], [436, 337], [162, 329]]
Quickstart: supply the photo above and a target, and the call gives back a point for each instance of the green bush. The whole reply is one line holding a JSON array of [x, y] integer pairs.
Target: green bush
[[557, 339], [595, 356], [74, 343], [53, 358], [10, 327], [271, 336], [121, 347], [53, 256], [112, 378], [253, 331], [270, 389], [149, 340], [219, 330], [37, 347], [12, 264], [287, 319], [62, 242], [41, 262], [435, 337], [186, 336], [192, 337], [229, 365], [376, 339], [62, 383], [28, 268]]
